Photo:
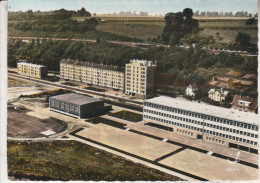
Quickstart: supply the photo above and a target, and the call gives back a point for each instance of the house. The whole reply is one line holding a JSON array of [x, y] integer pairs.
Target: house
[[191, 90], [245, 103], [218, 95]]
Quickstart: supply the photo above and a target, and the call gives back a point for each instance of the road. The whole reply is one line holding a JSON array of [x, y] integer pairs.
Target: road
[[123, 43], [84, 91]]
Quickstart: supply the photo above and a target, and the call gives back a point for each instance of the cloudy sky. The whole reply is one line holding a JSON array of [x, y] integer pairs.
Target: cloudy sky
[[151, 6]]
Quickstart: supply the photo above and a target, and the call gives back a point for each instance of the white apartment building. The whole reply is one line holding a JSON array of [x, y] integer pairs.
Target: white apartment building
[[32, 70], [229, 127], [92, 73], [140, 78]]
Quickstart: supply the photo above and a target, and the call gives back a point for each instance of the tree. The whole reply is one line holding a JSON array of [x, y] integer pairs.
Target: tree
[[83, 12], [251, 21], [243, 39], [177, 25]]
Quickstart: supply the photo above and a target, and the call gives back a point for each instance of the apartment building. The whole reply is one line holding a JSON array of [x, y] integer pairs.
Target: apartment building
[[229, 127], [92, 73], [32, 70], [140, 78]]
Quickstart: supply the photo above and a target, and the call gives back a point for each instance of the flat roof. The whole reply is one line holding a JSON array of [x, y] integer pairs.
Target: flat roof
[[206, 109], [35, 65], [75, 98], [92, 64]]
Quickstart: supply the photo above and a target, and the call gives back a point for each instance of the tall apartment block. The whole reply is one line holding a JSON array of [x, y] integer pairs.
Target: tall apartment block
[[33, 70], [92, 73], [140, 78]]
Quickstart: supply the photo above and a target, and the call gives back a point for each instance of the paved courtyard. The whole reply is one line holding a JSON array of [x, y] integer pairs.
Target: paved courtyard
[[130, 142], [210, 167]]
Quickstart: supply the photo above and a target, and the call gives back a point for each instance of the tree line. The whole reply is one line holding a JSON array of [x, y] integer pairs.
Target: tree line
[[179, 61]]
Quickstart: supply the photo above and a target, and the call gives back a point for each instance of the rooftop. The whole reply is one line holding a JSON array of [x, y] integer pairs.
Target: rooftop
[[253, 102], [75, 98], [30, 64], [92, 64], [143, 62], [221, 112]]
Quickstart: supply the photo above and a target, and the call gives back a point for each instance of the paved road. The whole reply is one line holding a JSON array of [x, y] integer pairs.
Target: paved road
[[123, 43], [103, 94]]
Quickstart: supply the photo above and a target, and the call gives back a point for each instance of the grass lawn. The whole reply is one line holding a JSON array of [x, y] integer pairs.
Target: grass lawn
[[140, 30], [71, 160], [70, 84], [51, 78], [107, 122], [13, 82], [127, 115], [95, 89]]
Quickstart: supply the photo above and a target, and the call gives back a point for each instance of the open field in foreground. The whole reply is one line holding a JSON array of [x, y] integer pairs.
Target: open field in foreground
[[70, 160]]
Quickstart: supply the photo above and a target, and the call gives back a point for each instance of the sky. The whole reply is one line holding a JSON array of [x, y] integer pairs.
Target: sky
[[151, 6]]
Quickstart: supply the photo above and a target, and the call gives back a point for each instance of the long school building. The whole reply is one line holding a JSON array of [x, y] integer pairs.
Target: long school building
[[92, 73], [234, 129]]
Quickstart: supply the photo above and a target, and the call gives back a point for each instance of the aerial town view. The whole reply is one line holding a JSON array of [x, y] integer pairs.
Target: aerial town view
[[132, 90]]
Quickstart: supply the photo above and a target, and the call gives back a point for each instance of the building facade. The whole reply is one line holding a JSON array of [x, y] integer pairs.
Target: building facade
[[140, 78], [234, 129], [243, 103], [92, 73], [218, 95], [76, 105], [32, 70], [191, 90]]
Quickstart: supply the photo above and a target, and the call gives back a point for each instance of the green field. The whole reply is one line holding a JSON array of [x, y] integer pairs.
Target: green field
[[127, 115], [150, 27], [71, 160]]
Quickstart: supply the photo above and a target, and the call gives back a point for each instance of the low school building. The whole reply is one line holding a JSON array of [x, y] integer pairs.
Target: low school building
[[76, 105]]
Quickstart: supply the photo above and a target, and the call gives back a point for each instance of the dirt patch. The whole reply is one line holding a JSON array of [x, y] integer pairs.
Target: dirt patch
[[22, 125]]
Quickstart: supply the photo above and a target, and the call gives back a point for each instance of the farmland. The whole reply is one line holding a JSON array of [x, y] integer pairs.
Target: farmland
[[150, 27]]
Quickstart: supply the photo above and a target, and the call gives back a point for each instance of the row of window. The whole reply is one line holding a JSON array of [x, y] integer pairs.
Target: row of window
[[197, 122], [70, 108], [203, 116], [202, 130]]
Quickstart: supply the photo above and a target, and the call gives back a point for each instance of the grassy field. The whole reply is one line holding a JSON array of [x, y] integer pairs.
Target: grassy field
[[150, 27], [127, 115], [70, 160], [13, 82], [95, 89], [138, 30]]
